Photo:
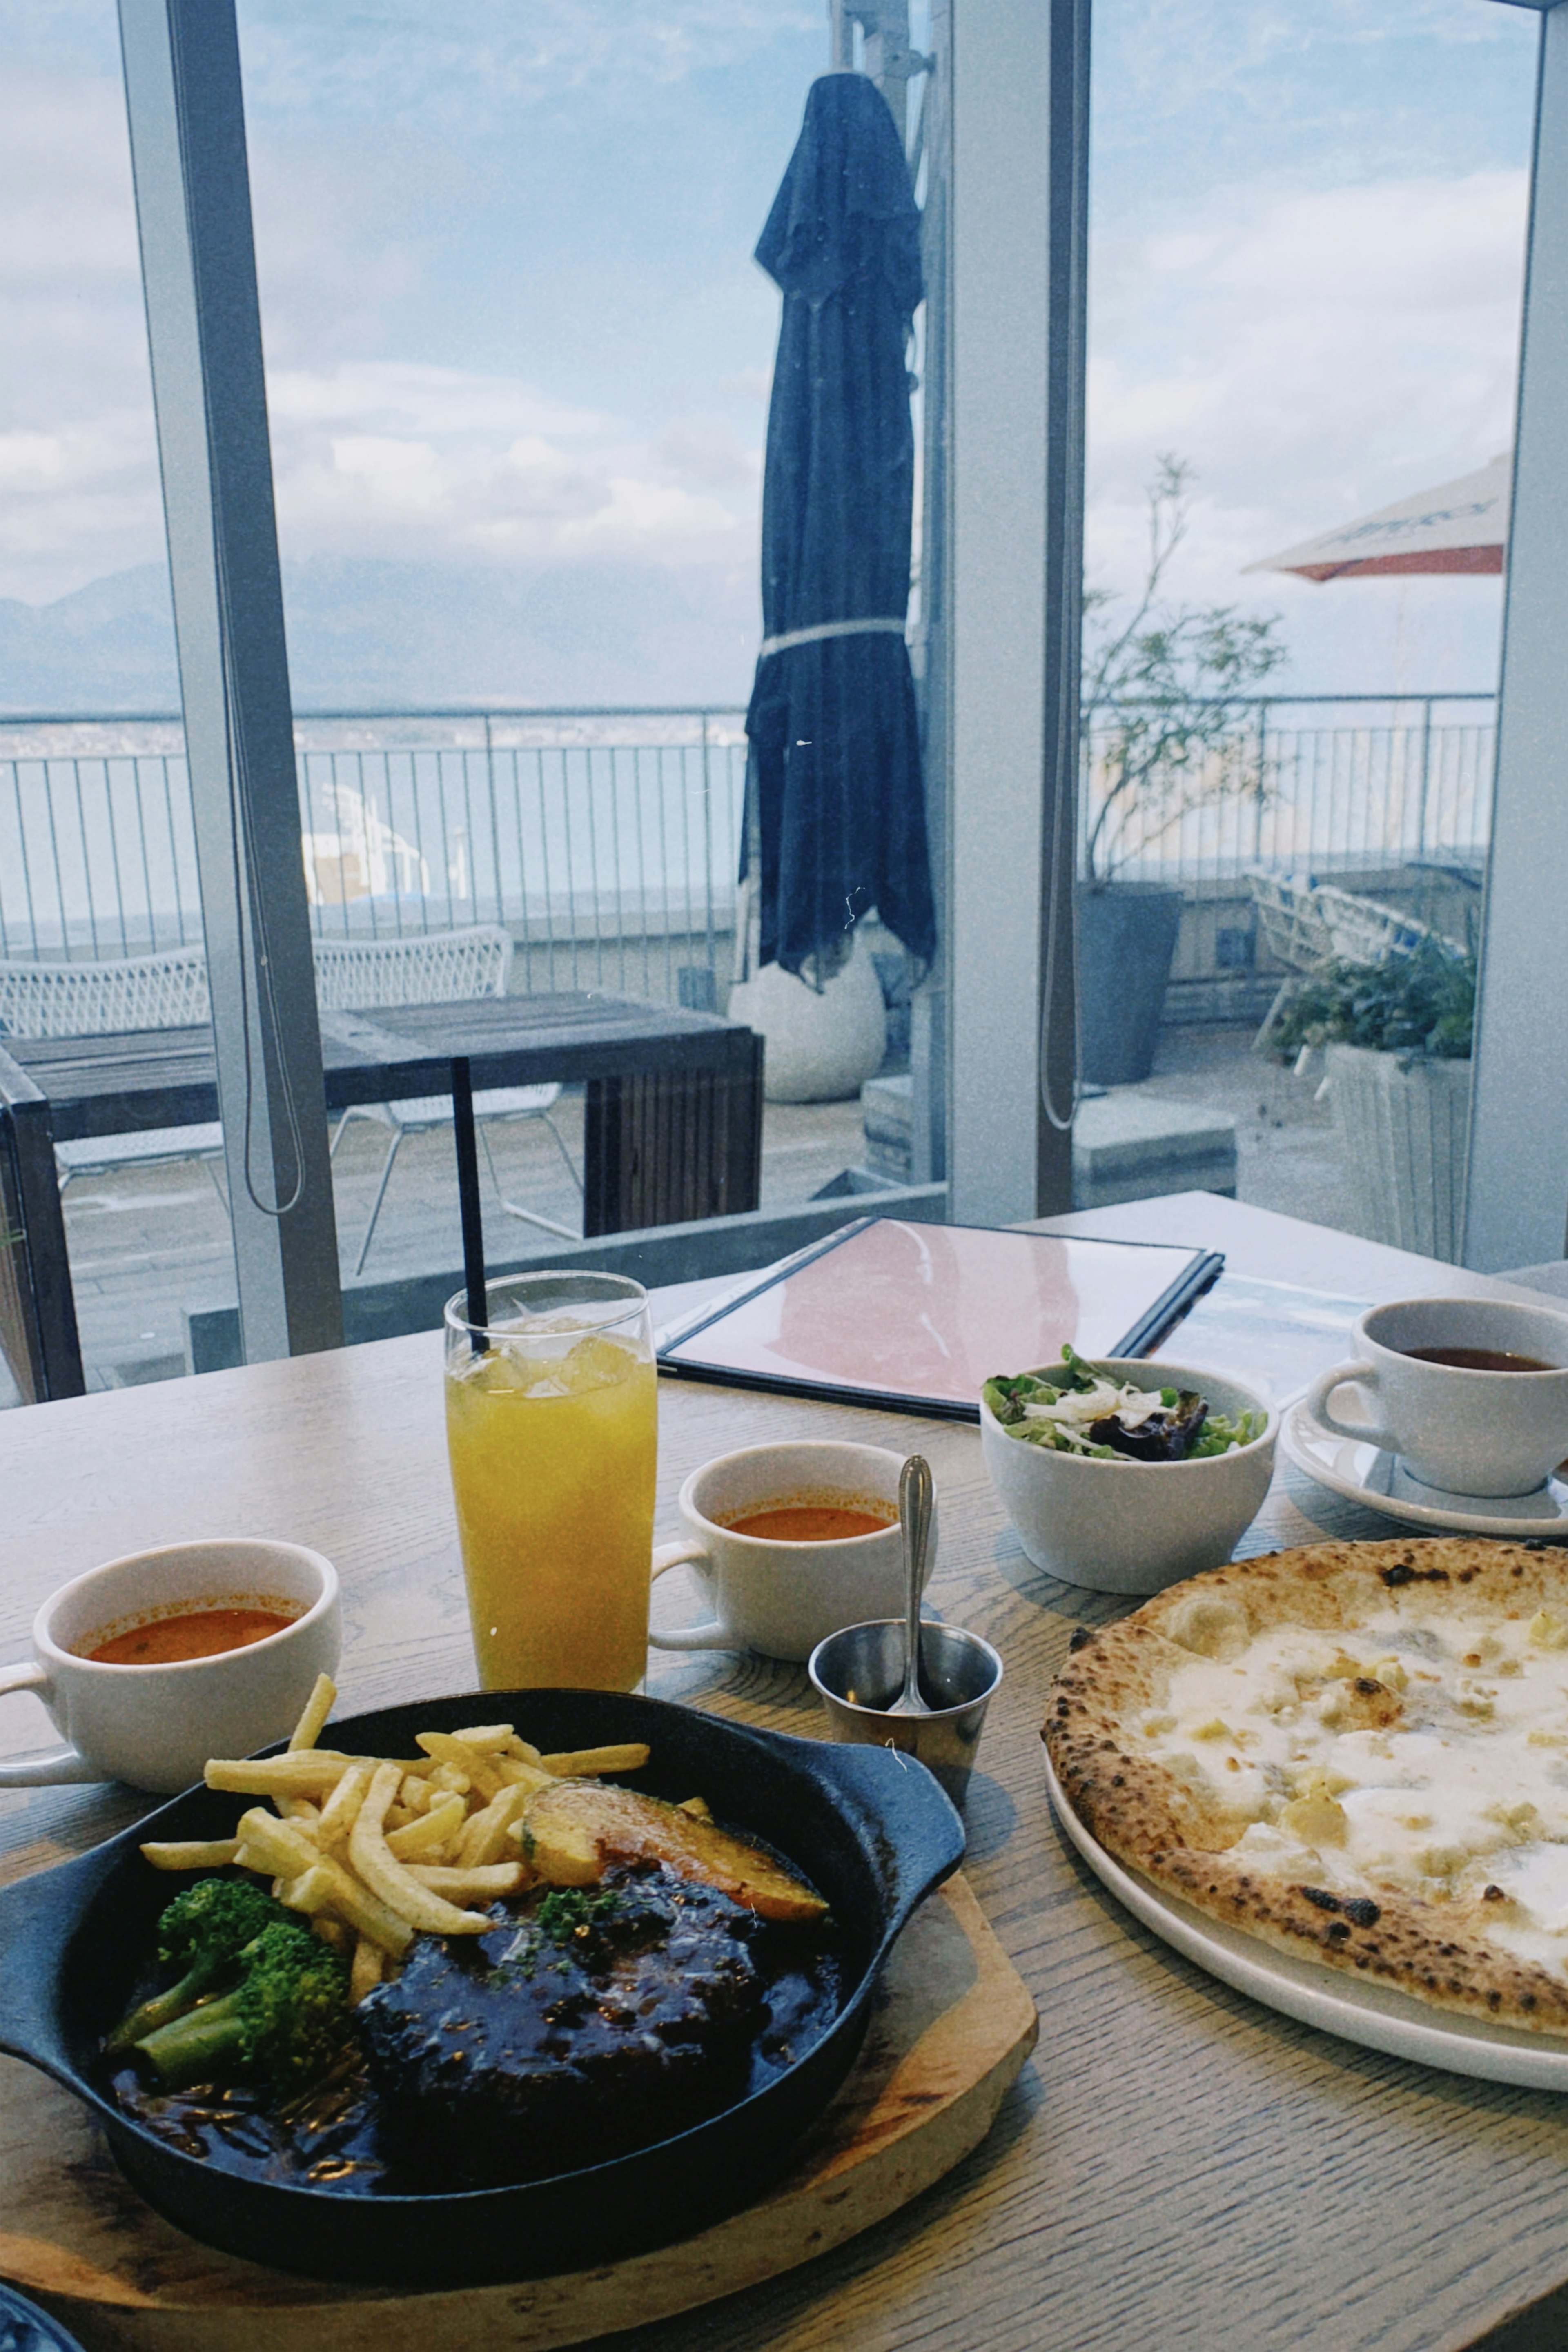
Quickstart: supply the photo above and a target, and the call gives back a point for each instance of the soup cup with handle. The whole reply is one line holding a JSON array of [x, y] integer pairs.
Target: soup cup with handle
[[771, 1593], [1456, 1427], [157, 1726]]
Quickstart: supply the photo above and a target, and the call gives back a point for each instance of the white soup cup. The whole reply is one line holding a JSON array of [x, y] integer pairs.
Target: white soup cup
[[155, 1727], [775, 1596]]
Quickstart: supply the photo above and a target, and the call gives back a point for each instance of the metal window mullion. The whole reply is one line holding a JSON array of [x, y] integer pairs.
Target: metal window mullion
[[22, 841], [141, 843], [1517, 1195], [186, 119]]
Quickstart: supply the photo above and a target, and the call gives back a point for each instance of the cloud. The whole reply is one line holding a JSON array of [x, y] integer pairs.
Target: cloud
[[380, 448], [472, 56], [708, 451], [403, 395], [1158, 60], [1314, 355], [424, 463], [748, 384]]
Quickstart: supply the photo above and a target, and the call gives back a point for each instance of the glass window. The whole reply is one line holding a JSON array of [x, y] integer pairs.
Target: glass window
[[1308, 244], [97, 862], [518, 363]]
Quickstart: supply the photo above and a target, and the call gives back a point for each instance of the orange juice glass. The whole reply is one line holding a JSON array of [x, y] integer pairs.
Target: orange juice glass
[[552, 1429]]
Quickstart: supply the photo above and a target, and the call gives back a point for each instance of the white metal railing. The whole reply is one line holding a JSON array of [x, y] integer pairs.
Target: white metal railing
[[606, 840], [1387, 781]]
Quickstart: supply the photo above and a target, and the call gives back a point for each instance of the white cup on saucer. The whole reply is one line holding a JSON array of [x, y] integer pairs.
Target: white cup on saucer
[[1453, 1426], [157, 1726], [775, 1595]]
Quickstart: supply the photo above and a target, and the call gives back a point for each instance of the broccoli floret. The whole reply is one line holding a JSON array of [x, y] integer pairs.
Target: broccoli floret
[[287, 2018], [203, 1932]]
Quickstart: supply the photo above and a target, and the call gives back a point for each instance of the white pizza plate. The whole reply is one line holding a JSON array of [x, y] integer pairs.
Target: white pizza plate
[[1370, 2014], [1365, 1473]]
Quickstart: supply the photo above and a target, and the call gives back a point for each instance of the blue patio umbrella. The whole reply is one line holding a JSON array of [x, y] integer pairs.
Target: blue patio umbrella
[[835, 804]]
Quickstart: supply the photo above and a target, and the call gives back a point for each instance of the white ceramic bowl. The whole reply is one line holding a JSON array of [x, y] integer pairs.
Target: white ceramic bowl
[[155, 1727], [1132, 1527]]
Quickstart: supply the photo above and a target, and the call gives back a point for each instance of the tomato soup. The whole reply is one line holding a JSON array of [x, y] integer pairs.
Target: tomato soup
[[204, 1633], [812, 1522]]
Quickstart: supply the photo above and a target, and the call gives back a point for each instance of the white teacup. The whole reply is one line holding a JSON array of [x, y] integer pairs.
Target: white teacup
[[772, 1594], [155, 1727], [1466, 1431]]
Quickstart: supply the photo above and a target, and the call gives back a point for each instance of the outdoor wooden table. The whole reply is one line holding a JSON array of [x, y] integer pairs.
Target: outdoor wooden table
[[672, 1126], [1177, 2168]]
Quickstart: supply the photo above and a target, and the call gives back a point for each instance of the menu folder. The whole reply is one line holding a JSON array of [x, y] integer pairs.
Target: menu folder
[[916, 1318]]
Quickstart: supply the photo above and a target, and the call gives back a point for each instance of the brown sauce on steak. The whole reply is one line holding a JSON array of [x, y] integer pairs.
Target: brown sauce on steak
[[586, 2023]]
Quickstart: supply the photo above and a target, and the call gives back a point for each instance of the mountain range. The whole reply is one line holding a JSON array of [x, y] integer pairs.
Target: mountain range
[[375, 634]]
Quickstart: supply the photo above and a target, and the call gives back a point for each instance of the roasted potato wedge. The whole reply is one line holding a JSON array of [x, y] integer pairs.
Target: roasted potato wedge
[[572, 1832]]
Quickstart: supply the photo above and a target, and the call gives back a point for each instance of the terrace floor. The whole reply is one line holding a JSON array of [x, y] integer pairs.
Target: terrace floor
[[148, 1244]]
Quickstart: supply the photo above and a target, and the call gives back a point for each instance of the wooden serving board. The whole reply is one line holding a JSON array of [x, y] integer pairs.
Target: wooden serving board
[[952, 2026]]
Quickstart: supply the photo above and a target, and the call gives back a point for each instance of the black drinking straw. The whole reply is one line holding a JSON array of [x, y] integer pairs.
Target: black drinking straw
[[468, 1200]]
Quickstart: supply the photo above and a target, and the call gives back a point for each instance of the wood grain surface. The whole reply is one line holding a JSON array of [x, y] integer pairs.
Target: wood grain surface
[[1177, 2168]]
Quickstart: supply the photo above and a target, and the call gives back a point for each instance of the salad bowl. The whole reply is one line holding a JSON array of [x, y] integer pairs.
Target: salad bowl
[[1122, 1525]]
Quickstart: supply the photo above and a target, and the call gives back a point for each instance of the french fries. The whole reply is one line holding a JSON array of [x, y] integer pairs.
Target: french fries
[[374, 1851], [314, 1773], [191, 1853], [318, 1706], [382, 1872], [430, 1833], [478, 1886], [588, 1763], [366, 1968]]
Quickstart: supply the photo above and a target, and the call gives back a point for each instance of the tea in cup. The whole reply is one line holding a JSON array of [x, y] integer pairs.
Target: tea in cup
[[795, 1542], [1471, 1394], [152, 1664]]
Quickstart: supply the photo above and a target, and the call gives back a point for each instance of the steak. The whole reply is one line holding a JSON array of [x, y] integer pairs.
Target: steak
[[586, 2023]]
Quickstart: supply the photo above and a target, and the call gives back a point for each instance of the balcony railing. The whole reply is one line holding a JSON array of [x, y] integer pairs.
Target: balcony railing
[[1386, 781], [607, 840]]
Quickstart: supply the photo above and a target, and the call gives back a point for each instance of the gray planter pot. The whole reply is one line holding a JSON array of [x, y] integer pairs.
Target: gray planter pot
[[1403, 1136], [1126, 939]]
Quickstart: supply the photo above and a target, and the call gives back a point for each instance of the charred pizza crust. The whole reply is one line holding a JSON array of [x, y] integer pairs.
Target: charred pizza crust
[[1179, 1831]]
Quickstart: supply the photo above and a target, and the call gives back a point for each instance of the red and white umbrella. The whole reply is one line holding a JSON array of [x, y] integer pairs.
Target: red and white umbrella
[[1461, 527]]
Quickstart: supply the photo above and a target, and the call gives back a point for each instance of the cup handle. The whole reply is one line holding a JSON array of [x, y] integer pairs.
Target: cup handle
[[60, 1764], [1319, 1409], [711, 1636]]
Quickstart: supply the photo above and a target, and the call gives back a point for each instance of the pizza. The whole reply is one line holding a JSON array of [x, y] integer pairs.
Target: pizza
[[1357, 1752]]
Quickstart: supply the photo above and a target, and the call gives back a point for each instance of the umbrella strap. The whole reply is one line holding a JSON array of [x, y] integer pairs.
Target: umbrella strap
[[883, 628]]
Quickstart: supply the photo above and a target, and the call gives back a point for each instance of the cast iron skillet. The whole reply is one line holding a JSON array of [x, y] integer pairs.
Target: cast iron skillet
[[872, 1828]]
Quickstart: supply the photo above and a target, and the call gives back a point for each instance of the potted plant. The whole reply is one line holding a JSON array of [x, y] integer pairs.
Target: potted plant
[[1163, 693], [1396, 1039]]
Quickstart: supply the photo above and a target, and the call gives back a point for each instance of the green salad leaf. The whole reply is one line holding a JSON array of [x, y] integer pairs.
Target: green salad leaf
[[1074, 1411]]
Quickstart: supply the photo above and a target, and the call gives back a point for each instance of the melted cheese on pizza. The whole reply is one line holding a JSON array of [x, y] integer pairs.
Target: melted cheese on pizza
[[1427, 1759]]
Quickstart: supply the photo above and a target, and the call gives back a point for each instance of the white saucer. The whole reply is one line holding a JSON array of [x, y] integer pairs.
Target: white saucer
[[1365, 1473]]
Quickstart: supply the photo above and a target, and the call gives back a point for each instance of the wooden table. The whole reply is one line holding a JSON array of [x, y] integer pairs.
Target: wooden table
[[672, 1126], [1178, 2167]]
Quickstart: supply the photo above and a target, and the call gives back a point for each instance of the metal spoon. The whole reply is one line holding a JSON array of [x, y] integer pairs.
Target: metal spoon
[[914, 1517]]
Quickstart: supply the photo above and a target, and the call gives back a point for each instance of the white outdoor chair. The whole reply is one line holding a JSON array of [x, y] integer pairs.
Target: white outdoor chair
[[1307, 926], [169, 990], [1294, 933], [166, 990], [433, 967], [1363, 931]]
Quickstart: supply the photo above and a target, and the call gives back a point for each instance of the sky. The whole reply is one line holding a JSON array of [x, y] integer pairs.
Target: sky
[[1307, 223], [514, 333]]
